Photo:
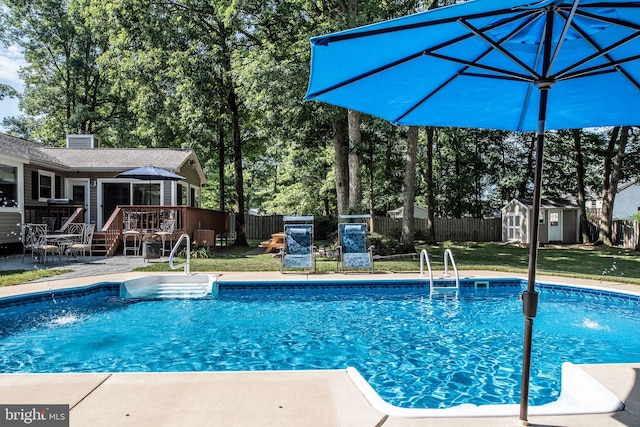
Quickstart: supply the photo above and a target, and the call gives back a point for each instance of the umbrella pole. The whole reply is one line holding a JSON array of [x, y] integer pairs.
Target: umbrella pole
[[530, 296]]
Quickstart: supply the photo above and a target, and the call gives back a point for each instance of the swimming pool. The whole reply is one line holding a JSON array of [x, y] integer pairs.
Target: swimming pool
[[415, 351]]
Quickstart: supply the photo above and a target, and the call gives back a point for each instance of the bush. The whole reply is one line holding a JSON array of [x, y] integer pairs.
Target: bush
[[324, 227], [384, 245]]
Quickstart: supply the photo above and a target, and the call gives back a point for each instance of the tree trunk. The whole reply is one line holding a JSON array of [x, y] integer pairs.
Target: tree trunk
[[341, 148], [580, 175], [611, 178], [232, 104], [407, 239], [431, 200], [528, 177], [241, 237], [221, 157], [355, 160]]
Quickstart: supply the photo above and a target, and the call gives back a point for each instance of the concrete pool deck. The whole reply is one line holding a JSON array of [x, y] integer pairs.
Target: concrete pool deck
[[273, 398]]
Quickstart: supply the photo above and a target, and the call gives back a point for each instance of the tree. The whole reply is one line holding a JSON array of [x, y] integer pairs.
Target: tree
[[7, 91], [355, 160], [409, 192], [580, 178], [431, 231], [612, 173], [63, 82]]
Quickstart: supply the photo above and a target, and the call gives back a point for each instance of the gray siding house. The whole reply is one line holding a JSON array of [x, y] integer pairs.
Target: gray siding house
[[34, 176], [558, 222]]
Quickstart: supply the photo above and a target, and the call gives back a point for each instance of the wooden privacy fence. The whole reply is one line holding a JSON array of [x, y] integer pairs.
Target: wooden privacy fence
[[454, 229], [625, 234]]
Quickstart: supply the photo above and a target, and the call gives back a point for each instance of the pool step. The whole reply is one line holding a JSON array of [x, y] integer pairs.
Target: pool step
[[171, 287], [181, 290]]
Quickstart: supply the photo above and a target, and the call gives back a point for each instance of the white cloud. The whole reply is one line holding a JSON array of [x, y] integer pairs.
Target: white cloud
[[11, 59]]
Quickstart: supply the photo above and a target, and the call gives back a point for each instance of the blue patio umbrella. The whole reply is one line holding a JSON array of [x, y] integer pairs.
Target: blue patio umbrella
[[495, 64], [150, 173]]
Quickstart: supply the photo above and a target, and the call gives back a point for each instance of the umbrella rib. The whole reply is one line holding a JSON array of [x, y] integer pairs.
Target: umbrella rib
[[564, 74], [499, 48], [600, 51], [472, 64], [565, 29], [325, 40], [610, 67], [364, 75], [422, 52], [506, 75], [429, 95], [614, 21]]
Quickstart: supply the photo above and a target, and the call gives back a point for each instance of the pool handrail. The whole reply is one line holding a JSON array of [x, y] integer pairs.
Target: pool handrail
[[448, 255], [425, 256], [187, 263]]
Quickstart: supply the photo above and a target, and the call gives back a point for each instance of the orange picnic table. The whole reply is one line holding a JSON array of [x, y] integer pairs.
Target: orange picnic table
[[276, 242]]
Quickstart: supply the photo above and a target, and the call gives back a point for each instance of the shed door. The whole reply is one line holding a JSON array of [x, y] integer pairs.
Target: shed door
[[555, 225]]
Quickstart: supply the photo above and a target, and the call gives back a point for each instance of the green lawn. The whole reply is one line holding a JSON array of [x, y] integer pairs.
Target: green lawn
[[589, 262]]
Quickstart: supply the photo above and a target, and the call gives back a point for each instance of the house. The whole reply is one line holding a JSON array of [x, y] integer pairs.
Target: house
[[559, 221], [627, 201], [80, 180], [418, 212]]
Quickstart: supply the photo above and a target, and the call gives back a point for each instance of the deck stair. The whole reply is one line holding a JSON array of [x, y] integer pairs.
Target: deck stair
[[99, 244]]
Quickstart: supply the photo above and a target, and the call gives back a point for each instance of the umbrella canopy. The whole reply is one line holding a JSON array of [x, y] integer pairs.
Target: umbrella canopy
[[497, 64], [150, 173], [477, 64]]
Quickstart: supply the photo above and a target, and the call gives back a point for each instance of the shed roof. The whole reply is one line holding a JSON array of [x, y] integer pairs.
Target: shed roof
[[554, 203]]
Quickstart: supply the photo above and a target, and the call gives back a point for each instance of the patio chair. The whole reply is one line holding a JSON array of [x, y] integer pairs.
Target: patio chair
[[132, 235], [298, 249], [85, 243], [50, 221], [166, 230], [27, 241], [76, 229], [353, 252], [38, 242]]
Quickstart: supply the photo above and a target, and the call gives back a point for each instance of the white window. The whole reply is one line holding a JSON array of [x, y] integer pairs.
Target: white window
[[46, 185], [554, 218], [8, 186], [541, 218]]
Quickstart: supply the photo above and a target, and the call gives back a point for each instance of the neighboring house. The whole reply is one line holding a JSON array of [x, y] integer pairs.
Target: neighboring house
[[33, 176], [559, 221], [418, 212], [627, 201]]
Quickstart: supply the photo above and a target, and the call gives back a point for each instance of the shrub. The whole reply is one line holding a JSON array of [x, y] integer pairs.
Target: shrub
[[384, 245]]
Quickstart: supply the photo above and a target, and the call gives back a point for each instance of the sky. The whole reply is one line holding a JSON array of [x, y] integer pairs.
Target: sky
[[11, 59]]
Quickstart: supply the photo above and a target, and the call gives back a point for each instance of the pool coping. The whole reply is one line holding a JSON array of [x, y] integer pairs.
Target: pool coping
[[592, 374]]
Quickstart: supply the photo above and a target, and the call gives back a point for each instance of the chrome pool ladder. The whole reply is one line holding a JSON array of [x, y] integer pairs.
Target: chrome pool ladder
[[448, 256], [186, 265]]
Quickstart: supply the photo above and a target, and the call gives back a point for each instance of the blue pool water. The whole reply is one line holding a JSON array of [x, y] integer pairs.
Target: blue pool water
[[414, 350]]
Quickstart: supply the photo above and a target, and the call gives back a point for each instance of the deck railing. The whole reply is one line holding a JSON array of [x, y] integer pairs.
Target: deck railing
[[149, 219], [64, 215]]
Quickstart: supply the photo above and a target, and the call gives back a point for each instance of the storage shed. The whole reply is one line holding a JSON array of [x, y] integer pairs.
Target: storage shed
[[559, 221], [418, 212]]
